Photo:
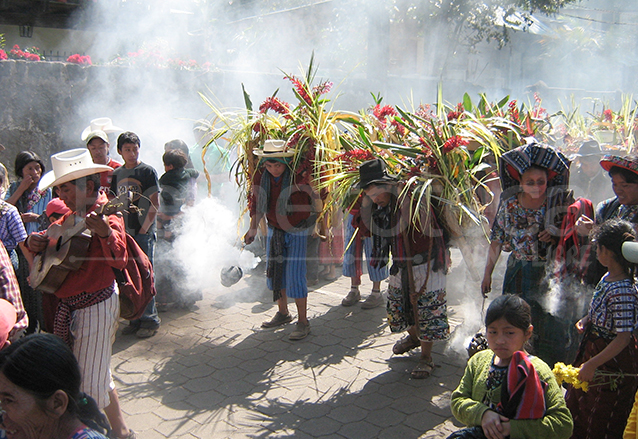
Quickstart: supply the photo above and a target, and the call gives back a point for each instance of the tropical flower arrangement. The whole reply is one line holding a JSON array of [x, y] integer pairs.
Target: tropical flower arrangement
[[309, 127], [565, 373], [615, 130]]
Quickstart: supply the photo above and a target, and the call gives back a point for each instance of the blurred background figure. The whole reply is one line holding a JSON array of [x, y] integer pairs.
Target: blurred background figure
[[589, 180], [31, 203]]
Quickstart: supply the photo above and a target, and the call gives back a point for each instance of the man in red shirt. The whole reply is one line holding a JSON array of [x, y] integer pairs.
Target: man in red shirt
[[98, 144], [88, 299]]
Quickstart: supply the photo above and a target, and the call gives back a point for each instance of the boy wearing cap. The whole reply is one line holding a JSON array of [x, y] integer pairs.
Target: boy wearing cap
[[281, 197], [140, 179], [417, 285], [97, 143]]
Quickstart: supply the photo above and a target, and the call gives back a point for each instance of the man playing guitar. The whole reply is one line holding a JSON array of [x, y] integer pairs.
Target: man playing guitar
[[88, 299]]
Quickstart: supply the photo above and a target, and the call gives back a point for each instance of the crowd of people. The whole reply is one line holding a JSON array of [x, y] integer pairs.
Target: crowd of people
[[544, 219], [549, 226], [58, 318]]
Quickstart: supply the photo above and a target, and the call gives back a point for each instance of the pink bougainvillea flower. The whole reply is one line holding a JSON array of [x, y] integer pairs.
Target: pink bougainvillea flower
[[452, 143]]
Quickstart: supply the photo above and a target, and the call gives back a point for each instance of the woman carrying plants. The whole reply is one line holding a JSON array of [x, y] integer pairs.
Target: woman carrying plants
[[31, 203], [505, 392], [608, 343], [527, 225]]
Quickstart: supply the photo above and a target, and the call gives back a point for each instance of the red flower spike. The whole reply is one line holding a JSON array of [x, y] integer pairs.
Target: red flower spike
[[452, 143], [301, 89], [276, 105]]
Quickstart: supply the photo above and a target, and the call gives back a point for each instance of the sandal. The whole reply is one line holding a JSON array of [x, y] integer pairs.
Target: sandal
[[406, 344], [423, 369]]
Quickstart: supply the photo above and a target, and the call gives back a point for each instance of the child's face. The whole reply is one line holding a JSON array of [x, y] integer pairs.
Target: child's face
[[603, 255], [168, 168], [504, 339], [130, 152], [276, 169]]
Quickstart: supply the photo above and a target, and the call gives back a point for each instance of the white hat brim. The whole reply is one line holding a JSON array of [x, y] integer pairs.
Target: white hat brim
[[49, 179], [260, 153]]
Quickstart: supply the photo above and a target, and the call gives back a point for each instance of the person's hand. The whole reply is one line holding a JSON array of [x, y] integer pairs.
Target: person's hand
[[587, 371], [493, 427], [26, 183], [37, 243], [580, 325], [544, 236], [98, 224], [29, 217], [584, 224], [249, 237], [486, 285]]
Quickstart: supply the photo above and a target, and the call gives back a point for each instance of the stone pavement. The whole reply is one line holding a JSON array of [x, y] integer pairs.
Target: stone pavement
[[214, 373]]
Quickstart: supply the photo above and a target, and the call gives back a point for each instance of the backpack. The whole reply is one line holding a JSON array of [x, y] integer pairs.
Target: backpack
[[135, 282]]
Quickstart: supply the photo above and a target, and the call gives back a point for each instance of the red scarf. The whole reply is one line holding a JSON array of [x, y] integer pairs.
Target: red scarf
[[523, 396]]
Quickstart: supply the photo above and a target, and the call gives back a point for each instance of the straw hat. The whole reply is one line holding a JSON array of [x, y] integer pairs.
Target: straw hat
[[69, 165], [101, 123], [274, 148]]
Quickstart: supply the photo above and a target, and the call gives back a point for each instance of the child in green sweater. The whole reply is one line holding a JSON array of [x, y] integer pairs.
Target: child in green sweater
[[504, 391]]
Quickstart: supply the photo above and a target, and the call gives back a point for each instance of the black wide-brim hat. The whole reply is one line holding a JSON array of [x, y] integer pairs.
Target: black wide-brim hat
[[374, 171]]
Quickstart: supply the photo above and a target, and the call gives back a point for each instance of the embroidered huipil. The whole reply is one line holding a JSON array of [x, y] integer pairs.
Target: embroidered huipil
[[614, 306], [517, 229]]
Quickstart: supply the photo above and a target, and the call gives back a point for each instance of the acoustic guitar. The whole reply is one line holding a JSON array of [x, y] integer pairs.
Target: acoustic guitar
[[68, 247]]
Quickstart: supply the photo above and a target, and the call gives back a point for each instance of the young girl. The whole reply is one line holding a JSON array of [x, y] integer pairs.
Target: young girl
[[504, 391], [608, 344]]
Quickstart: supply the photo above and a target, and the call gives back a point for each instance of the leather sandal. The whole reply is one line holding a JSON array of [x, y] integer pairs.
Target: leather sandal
[[423, 369], [406, 344]]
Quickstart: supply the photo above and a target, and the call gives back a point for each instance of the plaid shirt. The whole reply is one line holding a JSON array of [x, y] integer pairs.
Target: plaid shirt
[[10, 291], [12, 231]]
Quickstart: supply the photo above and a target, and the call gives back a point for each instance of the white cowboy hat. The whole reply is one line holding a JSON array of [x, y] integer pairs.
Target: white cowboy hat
[[274, 148], [101, 123], [69, 165]]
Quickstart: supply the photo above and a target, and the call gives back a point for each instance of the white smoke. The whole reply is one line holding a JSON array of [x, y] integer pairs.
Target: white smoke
[[207, 241]]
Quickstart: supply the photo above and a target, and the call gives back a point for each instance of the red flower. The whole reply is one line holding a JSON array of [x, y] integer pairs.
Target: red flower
[[608, 115], [79, 59], [397, 125], [513, 111], [322, 88], [3, 55], [301, 89], [258, 127], [276, 105], [353, 158], [456, 114], [452, 143], [382, 112]]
